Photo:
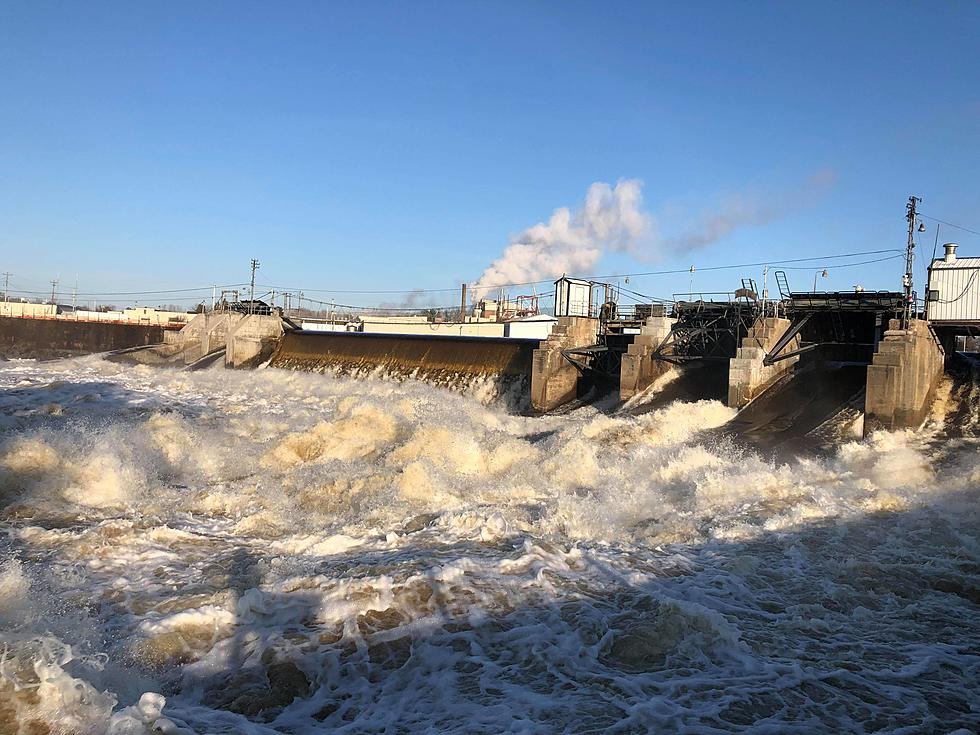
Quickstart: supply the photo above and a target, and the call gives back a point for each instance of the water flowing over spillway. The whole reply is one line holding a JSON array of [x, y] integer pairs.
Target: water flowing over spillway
[[278, 552]]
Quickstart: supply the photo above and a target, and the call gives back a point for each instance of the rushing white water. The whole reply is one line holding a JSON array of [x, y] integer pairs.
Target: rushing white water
[[259, 552]]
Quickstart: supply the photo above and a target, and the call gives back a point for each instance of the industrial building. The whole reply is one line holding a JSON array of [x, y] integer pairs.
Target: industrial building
[[953, 300]]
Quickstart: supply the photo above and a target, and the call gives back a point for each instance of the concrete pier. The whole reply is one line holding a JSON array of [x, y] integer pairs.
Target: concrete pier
[[203, 335], [902, 378], [638, 369], [747, 375], [252, 340], [554, 380]]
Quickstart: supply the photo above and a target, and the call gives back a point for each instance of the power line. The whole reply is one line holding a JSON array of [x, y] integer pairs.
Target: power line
[[823, 258], [206, 289], [949, 224], [617, 275], [136, 293], [838, 266]]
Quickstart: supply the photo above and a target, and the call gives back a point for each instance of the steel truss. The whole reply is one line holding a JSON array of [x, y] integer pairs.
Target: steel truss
[[706, 330]]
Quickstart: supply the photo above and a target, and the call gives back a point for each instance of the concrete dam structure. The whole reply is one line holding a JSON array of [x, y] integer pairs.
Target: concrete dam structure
[[734, 351], [239, 340], [754, 350]]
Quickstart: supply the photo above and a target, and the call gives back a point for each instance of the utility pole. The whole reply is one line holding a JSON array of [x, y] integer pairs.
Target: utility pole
[[54, 289], [765, 290], [214, 289], [251, 297], [6, 284], [909, 261]]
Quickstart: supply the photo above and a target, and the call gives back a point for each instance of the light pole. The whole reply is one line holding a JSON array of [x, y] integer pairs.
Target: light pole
[[911, 215], [822, 273]]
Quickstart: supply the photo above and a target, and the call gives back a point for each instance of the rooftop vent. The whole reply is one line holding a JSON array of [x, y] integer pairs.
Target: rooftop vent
[[950, 249]]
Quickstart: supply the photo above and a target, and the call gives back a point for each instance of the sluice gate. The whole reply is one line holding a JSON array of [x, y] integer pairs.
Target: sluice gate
[[439, 359]]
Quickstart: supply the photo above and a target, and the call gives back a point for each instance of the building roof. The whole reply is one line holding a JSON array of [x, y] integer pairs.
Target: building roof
[[939, 263]]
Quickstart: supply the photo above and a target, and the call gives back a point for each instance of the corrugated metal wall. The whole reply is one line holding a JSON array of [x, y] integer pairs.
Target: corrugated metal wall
[[958, 285]]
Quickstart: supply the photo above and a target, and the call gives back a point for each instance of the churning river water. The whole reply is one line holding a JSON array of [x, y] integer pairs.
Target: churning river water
[[277, 552]]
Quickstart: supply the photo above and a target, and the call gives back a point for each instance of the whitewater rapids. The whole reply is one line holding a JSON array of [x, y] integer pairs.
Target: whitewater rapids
[[276, 552]]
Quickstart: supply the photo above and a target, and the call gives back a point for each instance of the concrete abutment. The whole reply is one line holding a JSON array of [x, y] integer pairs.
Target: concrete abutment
[[252, 340], [902, 378], [748, 376], [554, 380], [639, 369]]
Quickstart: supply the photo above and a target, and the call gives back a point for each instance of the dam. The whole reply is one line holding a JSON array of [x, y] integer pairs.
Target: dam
[[648, 496], [873, 350]]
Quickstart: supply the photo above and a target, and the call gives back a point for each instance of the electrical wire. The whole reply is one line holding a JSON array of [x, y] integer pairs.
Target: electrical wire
[[783, 262], [963, 293], [598, 277], [949, 224], [838, 266]]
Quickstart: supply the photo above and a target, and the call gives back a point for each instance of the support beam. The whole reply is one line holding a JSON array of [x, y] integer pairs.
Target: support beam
[[788, 335]]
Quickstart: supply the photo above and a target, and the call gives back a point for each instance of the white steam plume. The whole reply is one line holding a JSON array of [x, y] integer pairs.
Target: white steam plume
[[612, 220]]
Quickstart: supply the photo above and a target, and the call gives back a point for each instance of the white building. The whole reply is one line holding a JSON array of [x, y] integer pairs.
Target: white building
[[953, 298]]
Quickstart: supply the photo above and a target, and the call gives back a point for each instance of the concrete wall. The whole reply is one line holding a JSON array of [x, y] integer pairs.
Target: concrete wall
[[639, 369], [252, 340], [554, 380], [903, 377], [52, 338], [204, 334], [426, 328], [747, 376]]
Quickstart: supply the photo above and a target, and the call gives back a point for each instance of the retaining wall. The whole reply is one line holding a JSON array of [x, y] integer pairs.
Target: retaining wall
[[54, 338]]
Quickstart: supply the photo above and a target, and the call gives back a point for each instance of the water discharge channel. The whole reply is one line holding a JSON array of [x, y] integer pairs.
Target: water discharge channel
[[274, 551]]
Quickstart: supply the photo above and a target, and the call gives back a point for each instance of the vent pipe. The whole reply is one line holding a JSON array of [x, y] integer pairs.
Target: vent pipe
[[950, 248]]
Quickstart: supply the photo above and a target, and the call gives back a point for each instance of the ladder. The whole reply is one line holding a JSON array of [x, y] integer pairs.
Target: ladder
[[783, 284]]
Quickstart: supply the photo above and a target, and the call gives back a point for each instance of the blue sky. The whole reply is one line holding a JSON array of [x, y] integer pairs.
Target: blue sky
[[387, 146]]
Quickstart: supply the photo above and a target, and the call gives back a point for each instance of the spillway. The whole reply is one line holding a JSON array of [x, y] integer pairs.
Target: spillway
[[504, 364]]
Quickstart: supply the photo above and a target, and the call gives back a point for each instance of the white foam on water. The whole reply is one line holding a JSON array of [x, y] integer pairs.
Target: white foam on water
[[257, 552]]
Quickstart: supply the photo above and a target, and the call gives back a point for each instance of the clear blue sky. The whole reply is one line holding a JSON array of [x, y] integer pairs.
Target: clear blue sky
[[364, 145]]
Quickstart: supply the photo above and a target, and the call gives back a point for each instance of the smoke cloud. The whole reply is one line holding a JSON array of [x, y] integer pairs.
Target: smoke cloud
[[747, 209], [612, 219]]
